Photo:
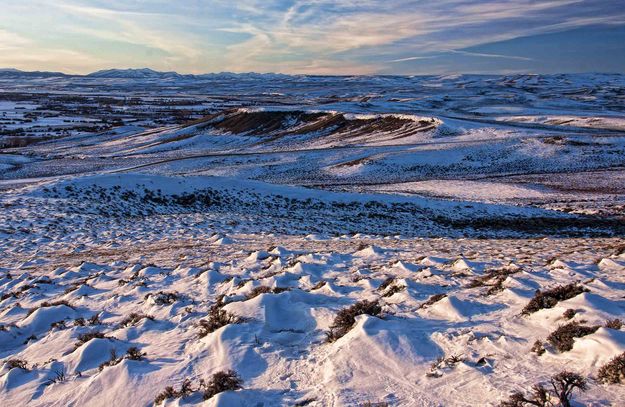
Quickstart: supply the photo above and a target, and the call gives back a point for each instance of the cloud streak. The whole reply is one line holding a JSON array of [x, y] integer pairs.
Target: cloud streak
[[291, 36]]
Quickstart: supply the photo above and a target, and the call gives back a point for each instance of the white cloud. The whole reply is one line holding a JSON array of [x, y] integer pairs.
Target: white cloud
[[481, 54], [10, 41], [298, 35]]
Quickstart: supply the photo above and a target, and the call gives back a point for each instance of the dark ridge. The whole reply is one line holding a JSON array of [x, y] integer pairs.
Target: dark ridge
[[264, 122], [273, 125]]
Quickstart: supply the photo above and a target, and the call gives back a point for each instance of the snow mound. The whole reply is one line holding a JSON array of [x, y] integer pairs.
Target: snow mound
[[376, 348], [15, 378], [596, 304], [451, 308], [93, 353], [370, 251], [41, 319], [598, 348]]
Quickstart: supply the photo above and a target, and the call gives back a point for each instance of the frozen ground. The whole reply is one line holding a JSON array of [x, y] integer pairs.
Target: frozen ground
[[157, 228]]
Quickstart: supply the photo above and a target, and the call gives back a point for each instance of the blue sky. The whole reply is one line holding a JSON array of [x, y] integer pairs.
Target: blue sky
[[316, 37]]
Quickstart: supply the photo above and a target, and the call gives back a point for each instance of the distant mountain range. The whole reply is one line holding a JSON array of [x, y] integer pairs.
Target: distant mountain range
[[16, 73], [143, 73], [148, 74]]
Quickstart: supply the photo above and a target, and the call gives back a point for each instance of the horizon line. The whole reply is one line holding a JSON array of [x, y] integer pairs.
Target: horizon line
[[17, 70]]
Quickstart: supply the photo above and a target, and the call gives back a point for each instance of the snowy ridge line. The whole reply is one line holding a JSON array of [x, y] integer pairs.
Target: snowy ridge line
[[347, 115], [268, 207], [282, 122], [280, 129]]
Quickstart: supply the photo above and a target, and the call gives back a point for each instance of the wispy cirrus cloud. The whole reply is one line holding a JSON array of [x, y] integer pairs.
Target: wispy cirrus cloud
[[293, 36]]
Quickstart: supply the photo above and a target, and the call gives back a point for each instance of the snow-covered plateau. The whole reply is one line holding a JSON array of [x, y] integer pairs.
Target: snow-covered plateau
[[273, 240]]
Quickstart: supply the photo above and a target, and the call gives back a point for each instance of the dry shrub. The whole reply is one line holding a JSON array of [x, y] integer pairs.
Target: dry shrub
[[265, 290], [387, 282], [94, 320], [538, 348], [163, 297], [256, 291], [562, 386], [549, 298], [186, 389], [60, 376], [222, 381], [134, 318], [113, 360], [613, 372], [318, 285], [563, 338], [346, 318], [444, 363], [168, 393], [493, 279], [394, 289], [569, 313], [432, 300], [133, 353], [217, 318], [86, 337], [16, 363], [614, 324]]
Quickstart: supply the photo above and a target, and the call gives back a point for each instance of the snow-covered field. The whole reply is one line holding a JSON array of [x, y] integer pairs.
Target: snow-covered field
[[322, 241]]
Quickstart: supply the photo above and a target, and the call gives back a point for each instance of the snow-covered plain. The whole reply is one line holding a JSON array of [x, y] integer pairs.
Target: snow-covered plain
[[202, 224]]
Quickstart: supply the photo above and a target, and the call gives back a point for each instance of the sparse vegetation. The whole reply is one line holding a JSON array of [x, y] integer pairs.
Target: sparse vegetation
[[549, 298], [94, 320], [569, 313], [217, 318], [388, 287], [86, 337], [433, 300], [134, 353], [614, 324], [493, 279], [60, 375], [114, 360], [58, 325], [538, 348], [134, 318], [562, 384], [163, 298], [141, 217], [613, 372], [318, 285], [256, 291], [346, 318], [563, 338], [387, 282], [219, 382], [168, 393], [444, 363], [222, 381], [16, 363]]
